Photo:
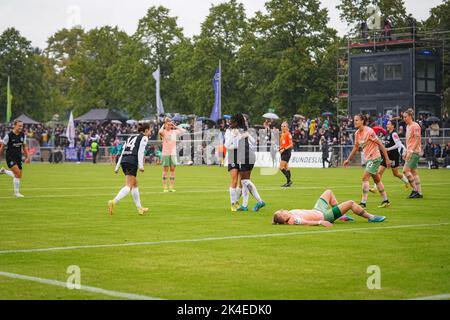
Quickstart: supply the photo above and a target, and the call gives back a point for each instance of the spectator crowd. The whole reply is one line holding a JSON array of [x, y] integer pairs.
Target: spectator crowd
[[322, 131]]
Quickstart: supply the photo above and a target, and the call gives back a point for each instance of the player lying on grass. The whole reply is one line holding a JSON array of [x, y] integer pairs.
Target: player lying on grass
[[325, 212]]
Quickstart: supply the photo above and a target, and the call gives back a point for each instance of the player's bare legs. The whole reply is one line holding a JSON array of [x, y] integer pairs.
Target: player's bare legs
[[234, 199], [416, 177], [365, 188], [395, 173], [380, 186], [16, 174], [172, 178], [164, 178], [16, 181], [248, 187], [381, 170], [409, 175], [131, 185], [329, 197]]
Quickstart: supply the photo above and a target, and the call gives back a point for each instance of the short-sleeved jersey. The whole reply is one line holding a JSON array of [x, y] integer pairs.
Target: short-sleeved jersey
[[413, 134], [300, 216], [131, 151], [366, 139], [285, 140], [14, 145]]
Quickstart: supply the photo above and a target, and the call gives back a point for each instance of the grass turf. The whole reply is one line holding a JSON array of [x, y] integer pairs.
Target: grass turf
[[65, 205]]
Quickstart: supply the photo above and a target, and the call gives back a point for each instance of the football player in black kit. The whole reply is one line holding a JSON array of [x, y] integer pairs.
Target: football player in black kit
[[15, 145], [393, 146], [132, 159]]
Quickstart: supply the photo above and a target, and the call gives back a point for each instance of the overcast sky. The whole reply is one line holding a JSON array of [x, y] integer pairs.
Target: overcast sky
[[39, 19]]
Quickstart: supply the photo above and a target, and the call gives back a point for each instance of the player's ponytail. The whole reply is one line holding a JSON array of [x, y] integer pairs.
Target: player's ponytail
[[239, 118], [240, 121]]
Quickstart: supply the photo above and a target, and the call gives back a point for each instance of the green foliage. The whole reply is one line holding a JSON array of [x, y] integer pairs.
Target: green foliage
[[91, 68], [439, 17], [440, 20], [22, 63], [355, 11], [284, 58]]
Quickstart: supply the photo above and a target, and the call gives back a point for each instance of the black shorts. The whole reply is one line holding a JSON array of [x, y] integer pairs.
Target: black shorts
[[11, 162], [286, 155], [232, 166], [129, 169], [395, 161], [246, 167]]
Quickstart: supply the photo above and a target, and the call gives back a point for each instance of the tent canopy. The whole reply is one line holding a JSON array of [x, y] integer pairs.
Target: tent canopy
[[101, 115], [26, 119]]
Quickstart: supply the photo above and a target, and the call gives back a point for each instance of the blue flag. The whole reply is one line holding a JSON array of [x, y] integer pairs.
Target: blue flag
[[216, 111]]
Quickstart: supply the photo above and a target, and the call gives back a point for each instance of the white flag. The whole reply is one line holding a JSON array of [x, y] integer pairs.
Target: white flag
[[159, 104], [70, 131]]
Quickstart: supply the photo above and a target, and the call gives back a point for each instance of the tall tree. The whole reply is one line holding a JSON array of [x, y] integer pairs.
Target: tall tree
[[439, 20], [353, 12], [90, 69], [439, 17], [132, 82], [222, 36], [283, 57], [61, 48], [22, 64], [160, 34]]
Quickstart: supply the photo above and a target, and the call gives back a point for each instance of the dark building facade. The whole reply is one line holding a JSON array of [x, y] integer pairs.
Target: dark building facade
[[392, 81]]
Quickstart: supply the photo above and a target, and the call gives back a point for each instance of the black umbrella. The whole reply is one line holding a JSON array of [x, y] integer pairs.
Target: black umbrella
[[178, 118], [205, 119], [433, 119]]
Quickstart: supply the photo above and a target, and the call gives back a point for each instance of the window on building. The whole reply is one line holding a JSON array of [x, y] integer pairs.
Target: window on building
[[368, 73], [393, 71], [431, 86], [421, 85], [426, 76]]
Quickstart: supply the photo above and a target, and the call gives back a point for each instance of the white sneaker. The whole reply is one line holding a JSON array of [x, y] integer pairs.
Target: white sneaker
[[19, 195], [2, 170]]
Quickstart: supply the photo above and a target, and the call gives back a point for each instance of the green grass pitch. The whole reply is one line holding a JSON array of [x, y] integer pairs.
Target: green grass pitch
[[65, 205]]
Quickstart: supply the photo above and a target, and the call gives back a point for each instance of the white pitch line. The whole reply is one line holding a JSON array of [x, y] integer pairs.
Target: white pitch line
[[221, 190], [251, 236], [436, 297], [51, 282]]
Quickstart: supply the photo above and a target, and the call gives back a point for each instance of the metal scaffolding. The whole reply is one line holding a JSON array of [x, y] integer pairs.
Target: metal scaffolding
[[379, 40]]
